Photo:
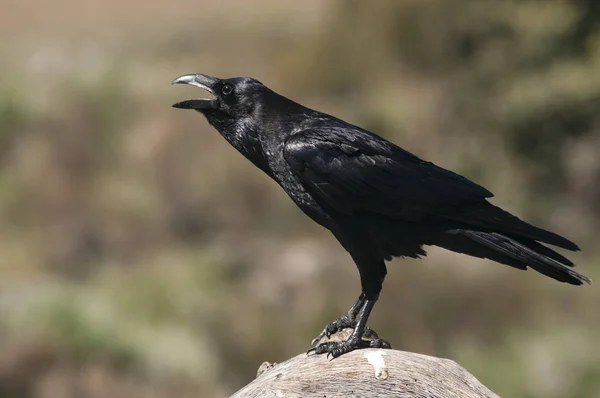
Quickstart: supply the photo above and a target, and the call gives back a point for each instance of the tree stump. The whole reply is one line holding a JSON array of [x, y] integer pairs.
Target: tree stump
[[369, 373]]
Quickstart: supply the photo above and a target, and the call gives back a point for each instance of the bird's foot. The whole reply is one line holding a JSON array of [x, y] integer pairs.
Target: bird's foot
[[338, 348], [339, 325]]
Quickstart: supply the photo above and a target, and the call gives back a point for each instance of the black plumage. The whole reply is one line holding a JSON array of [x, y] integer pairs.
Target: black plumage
[[378, 200]]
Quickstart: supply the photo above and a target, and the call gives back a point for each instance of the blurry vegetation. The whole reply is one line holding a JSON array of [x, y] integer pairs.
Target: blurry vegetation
[[141, 256]]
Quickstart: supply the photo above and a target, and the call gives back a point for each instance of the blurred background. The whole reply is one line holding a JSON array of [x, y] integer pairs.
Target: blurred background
[[141, 256]]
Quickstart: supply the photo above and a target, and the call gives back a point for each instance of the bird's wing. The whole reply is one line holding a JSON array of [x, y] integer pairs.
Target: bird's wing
[[354, 171]]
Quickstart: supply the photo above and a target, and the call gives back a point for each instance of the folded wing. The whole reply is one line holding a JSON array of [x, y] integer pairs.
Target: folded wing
[[354, 171]]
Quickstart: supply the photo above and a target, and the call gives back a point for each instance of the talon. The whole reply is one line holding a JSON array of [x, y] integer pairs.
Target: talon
[[379, 343], [314, 341], [335, 349], [370, 334], [338, 325]]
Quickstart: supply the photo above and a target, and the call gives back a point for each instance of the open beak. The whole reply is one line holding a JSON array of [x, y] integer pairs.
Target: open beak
[[206, 82]]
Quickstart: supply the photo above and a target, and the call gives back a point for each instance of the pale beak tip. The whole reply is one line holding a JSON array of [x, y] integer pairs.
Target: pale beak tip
[[185, 79]]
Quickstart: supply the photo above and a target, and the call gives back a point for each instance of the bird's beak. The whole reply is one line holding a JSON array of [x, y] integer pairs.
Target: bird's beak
[[206, 82]]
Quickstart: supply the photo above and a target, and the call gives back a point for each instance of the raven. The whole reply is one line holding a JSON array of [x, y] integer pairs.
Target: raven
[[377, 199]]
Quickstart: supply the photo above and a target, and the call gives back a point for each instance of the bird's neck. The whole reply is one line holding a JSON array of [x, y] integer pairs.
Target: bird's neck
[[243, 135]]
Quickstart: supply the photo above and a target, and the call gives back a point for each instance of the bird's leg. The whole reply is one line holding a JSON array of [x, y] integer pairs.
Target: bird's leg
[[355, 341], [348, 320]]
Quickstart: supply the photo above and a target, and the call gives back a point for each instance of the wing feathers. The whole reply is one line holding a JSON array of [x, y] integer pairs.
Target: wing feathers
[[369, 173]]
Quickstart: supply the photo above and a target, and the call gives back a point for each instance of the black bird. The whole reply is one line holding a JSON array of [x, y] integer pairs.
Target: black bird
[[377, 199]]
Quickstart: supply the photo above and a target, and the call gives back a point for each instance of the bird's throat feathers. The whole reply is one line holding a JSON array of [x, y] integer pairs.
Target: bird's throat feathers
[[243, 135], [236, 131]]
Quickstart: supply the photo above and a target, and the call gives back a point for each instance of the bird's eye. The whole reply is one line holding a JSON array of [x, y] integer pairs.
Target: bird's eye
[[226, 89]]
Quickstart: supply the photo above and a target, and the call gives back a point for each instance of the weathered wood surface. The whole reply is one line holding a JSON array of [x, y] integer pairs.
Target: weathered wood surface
[[371, 373]]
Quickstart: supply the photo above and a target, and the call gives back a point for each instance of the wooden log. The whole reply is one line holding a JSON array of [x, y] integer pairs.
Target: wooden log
[[369, 373]]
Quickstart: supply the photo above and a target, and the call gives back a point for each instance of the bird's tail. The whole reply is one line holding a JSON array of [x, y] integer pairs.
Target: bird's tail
[[486, 217], [516, 252]]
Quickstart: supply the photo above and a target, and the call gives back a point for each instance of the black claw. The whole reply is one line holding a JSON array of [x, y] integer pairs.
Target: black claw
[[379, 343], [338, 325], [335, 349], [370, 334]]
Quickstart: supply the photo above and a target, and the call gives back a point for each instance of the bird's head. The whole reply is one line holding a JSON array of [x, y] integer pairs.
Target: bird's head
[[233, 98]]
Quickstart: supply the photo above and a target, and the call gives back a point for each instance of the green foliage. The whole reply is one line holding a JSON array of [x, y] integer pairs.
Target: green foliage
[[86, 339]]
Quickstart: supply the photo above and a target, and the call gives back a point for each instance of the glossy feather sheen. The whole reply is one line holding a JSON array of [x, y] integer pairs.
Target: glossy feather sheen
[[374, 175], [370, 175], [379, 200]]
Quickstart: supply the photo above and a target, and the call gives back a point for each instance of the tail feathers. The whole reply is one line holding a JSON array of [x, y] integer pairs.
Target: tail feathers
[[534, 233], [488, 217], [523, 253], [546, 251]]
